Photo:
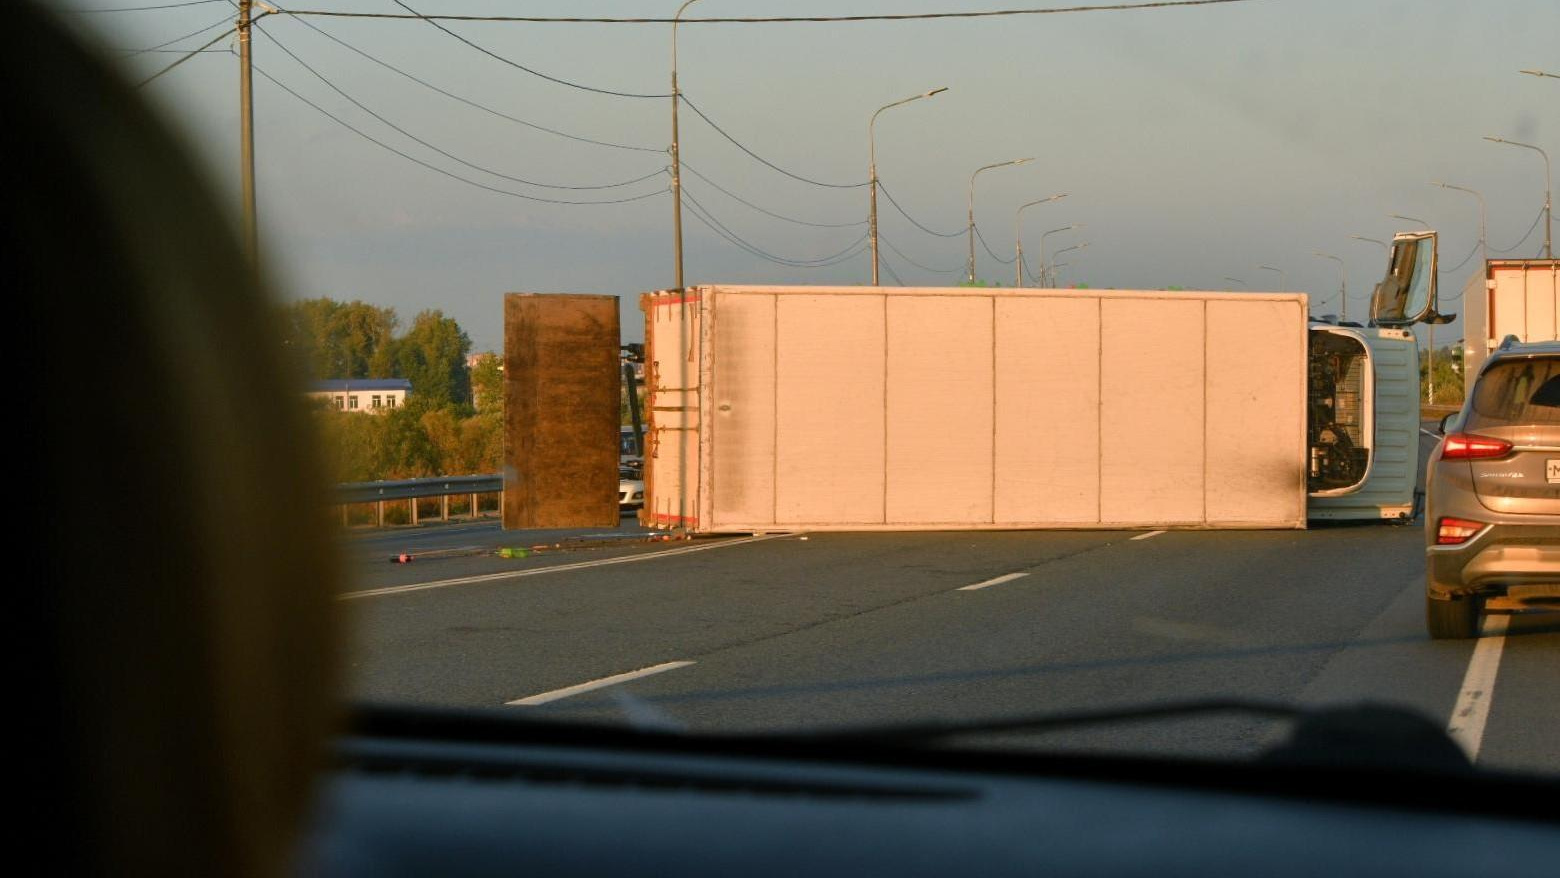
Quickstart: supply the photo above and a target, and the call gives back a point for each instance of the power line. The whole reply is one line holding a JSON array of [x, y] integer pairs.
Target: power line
[[224, 20], [435, 168], [734, 196], [447, 154], [709, 223], [854, 250], [709, 218], [1529, 234], [982, 239], [913, 221], [783, 19], [179, 51], [144, 8], [885, 242], [185, 57], [766, 162], [891, 273], [471, 103], [515, 64], [1463, 262]]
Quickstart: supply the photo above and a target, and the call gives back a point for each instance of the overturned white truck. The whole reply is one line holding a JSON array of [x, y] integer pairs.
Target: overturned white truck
[[891, 408]]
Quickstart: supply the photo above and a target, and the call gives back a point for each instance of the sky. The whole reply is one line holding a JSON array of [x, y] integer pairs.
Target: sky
[[1194, 144]]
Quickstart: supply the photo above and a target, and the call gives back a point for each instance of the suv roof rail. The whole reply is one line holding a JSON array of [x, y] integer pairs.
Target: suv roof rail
[[1508, 341]]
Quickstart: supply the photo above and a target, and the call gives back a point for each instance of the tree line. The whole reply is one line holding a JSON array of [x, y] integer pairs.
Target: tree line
[[452, 422]]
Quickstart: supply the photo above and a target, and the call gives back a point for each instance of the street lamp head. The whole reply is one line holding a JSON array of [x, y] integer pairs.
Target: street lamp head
[[1495, 139], [1023, 161], [935, 91]]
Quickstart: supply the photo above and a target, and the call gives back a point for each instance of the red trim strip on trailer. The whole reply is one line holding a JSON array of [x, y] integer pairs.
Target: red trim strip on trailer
[[674, 300]]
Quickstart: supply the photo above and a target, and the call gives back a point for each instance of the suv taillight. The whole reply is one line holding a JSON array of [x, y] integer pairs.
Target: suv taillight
[[1456, 531], [1469, 446]]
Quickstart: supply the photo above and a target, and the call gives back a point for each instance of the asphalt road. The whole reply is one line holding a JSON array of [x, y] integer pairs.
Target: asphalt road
[[837, 629]]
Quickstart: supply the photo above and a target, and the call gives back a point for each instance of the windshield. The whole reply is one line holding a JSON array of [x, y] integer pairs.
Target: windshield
[[971, 356], [1517, 392], [1404, 296]]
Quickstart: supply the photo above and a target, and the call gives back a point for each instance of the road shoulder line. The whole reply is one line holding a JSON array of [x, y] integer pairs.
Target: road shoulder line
[[1478, 688], [592, 685], [556, 568], [996, 580]]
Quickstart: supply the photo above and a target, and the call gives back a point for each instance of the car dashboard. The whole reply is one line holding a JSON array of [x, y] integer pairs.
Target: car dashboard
[[588, 801]]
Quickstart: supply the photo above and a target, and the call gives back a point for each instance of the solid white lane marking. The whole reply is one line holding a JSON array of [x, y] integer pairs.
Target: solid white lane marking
[[593, 685], [556, 568], [1007, 577], [1149, 535], [1478, 687], [1431, 433]]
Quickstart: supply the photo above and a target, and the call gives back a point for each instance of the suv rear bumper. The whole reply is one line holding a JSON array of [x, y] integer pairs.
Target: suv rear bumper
[[1499, 556]]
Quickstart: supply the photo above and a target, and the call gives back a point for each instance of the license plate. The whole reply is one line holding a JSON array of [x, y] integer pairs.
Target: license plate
[[1552, 470]]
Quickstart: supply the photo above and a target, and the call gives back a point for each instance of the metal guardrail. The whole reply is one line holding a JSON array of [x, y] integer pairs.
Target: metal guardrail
[[411, 489]]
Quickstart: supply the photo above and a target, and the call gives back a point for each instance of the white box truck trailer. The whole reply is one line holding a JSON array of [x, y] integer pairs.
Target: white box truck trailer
[[891, 408], [1519, 297]]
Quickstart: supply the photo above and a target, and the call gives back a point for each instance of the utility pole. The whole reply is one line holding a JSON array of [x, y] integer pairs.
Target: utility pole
[[677, 242], [970, 228], [246, 116], [872, 177], [1343, 286], [1018, 238]]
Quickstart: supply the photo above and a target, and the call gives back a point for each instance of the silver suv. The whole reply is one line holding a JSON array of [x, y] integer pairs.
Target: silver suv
[[1492, 513]]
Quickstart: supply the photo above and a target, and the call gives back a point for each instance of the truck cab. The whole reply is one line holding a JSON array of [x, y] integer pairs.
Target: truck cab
[[1362, 399]]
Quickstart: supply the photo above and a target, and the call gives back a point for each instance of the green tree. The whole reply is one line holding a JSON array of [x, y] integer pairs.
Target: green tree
[[331, 339], [487, 383], [432, 355], [405, 451]]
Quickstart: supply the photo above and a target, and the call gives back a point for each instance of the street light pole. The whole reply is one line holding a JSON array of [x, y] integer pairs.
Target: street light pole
[[1282, 281], [1423, 224], [970, 231], [1056, 265], [1048, 234], [1018, 237], [872, 216], [677, 236], [1549, 217], [1343, 285], [246, 134], [1483, 242], [1383, 244], [1540, 73]]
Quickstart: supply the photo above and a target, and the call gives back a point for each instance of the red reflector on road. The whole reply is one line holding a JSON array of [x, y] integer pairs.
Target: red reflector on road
[[1455, 531], [1468, 446]]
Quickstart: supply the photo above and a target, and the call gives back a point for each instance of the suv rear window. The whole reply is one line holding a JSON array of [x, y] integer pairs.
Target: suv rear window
[[1516, 392]]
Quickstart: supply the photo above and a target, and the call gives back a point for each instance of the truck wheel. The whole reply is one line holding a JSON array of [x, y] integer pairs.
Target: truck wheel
[[1452, 620]]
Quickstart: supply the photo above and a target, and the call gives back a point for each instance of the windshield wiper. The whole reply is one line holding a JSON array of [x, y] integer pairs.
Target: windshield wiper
[[923, 732], [1363, 735]]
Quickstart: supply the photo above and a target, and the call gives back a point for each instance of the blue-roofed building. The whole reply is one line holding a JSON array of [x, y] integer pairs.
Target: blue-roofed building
[[362, 394]]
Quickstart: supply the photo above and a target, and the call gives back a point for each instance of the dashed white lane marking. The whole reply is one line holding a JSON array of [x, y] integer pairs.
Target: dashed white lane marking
[[1150, 534], [998, 580], [593, 685], [1478, 688], [556, 568]]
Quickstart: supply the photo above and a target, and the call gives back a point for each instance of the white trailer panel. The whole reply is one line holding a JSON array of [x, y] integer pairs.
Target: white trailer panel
[[905, 408], [1518, 297]]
